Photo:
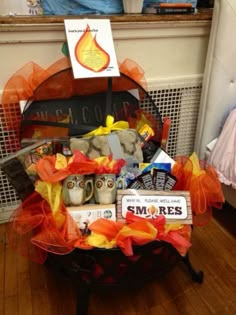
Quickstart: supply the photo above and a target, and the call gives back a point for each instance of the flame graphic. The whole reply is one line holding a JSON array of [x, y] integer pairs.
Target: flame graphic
[[152, 210], [90, 54]]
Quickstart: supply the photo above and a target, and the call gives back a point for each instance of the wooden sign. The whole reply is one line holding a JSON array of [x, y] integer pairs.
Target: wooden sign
[[174, 205]]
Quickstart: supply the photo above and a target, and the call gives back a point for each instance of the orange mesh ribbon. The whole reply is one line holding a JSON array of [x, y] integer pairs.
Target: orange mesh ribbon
[[103, 234], [134, 71], [78, 164], [137, 231], [201, 180], [178, 237], [48, 170], [22, 85], [33, 230], [35, 83]]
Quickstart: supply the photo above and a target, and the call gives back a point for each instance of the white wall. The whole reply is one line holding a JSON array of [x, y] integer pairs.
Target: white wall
[[166, 51], [18, 7]]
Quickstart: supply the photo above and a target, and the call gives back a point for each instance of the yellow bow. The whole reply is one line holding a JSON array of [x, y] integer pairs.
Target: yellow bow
[[110, 126]]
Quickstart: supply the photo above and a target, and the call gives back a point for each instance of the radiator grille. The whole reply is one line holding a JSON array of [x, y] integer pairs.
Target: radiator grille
[[181, 105], [8, 144], [179, 102]]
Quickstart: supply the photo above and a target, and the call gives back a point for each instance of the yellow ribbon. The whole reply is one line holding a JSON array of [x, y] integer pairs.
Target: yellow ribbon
[[173, 227], [61, 161], [197, 171], [51, 192], [110, 126], [100, 241]]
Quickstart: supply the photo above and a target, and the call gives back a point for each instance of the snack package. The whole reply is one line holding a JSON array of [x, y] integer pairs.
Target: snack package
[[145, 167], [159, 179], [146, 180]]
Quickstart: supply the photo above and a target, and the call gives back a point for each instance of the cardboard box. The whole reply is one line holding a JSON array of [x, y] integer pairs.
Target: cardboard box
[[86, 214]]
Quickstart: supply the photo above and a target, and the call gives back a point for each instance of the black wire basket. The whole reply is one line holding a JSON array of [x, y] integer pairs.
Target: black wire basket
[[110, 267]]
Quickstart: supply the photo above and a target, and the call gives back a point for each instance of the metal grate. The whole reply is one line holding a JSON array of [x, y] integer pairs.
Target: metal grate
[[180, 103], [8, 144]]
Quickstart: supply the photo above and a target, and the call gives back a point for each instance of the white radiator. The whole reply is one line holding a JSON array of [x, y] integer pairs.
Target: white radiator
[[8, 145], [178, 101]]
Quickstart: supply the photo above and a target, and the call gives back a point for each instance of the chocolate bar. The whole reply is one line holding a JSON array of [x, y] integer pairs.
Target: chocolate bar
[[147, 180], [170, 182], [159, 178], [18, 178], [136, 184]]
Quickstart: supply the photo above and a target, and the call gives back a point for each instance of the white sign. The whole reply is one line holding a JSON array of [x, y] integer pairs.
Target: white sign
[[175, 206], [91, 48], [172, 207]]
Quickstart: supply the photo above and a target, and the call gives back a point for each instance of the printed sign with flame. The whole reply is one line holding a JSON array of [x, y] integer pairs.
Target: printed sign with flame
[[175, 206], [91, 48], [90, 54]]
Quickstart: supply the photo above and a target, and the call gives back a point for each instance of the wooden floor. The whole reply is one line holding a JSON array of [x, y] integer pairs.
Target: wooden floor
[[30, 289]]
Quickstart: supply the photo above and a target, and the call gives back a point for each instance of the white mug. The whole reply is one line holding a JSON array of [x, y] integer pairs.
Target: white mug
[[77, 189], [105, 188]]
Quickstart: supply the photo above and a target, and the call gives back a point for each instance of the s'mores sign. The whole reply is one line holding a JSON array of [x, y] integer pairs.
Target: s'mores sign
[[174, 205]]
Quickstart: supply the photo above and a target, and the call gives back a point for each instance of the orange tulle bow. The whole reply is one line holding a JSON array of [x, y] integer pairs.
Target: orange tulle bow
[[201, 180], [177, 235], [134, 71], [137, 231], [106, 165], [33, 231]]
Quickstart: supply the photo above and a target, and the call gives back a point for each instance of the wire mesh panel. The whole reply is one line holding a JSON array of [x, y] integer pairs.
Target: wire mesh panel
[[8, 144], [180, 103]]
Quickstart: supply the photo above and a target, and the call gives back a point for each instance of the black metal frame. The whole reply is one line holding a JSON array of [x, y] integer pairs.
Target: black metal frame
[[78, 267]]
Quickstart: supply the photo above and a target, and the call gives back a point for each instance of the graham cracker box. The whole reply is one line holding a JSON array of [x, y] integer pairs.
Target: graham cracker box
[[88, 213]]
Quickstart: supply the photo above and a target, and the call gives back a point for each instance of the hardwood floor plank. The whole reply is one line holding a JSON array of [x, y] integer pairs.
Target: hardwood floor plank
[[2, 305], [217, 258], [172, 285], [61, 293], [159, 309], [196, 301], [55, 286], [2, 266], [37, 276], [184, 307], [119, 301], [23, 264], [10, 273], [41, 303], [171, 308], [230, 309], [24, 294], [212, 295], [11, 305]]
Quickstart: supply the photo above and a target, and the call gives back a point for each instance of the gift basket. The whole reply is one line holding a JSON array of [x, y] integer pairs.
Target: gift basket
[[100, 196]]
